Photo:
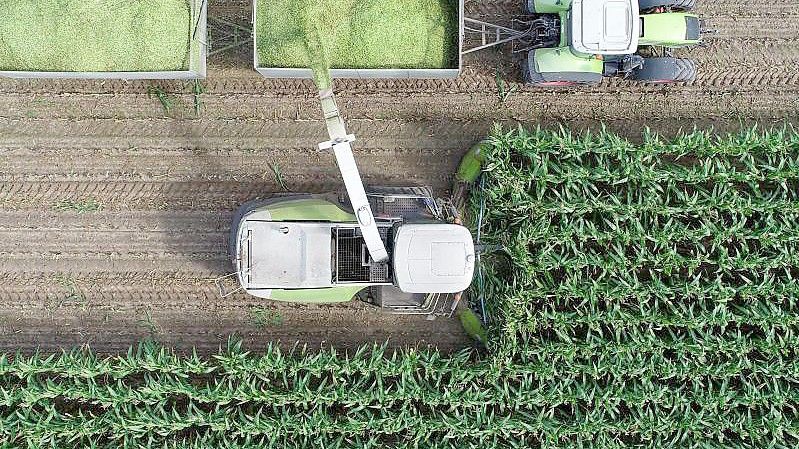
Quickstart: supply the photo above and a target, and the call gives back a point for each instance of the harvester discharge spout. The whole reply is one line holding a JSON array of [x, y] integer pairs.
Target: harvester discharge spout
[[340, 144]]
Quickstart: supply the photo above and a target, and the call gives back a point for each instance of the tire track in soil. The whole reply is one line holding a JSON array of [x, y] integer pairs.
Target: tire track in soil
[[169, 185], [370, 113], [206, 329]]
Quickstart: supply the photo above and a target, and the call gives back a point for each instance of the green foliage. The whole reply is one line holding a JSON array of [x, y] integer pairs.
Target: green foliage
[[657, 281], [504, 90], [645, 296], [323, 34], [94, 35], [166, 99], [263, 318], [279, 178], [197, 89], [79, 206], [148, 323], [472, 325], [74, 294]]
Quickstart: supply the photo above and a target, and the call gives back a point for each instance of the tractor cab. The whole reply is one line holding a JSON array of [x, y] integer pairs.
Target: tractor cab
[[433, 258], [603, 38], [605, 27]]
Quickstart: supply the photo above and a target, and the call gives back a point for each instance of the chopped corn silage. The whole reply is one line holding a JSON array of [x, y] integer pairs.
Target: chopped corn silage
[[94, 35], [363, 34]]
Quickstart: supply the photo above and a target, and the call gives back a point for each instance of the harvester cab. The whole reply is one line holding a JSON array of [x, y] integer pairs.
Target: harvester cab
[[573, 42], [396, 247]]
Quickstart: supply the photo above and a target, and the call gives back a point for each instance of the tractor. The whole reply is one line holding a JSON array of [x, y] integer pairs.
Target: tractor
[[580, 42]]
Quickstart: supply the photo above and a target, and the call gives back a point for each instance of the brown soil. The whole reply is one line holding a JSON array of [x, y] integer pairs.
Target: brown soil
[[167, 184]]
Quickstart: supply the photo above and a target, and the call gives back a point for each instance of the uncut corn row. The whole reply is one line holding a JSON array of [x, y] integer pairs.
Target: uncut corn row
[[221, 440], [149, 357], [45, 423], [143, 409], [601, 357], [210, 439], [667, 267], [524, 391]]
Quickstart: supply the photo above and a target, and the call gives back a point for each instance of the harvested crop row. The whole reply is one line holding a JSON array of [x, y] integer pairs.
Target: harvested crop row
[[94, 35]]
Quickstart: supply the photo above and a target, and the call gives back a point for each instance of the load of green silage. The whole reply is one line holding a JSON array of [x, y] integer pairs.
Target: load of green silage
[[94, 35], [357, 34]]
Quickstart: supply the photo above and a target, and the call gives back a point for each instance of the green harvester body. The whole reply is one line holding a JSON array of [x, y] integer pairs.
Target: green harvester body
[[312, 249]]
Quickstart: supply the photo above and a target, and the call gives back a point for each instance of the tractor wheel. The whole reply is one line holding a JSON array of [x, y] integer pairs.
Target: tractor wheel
[[684, 5], [559, 79], [665, 70]]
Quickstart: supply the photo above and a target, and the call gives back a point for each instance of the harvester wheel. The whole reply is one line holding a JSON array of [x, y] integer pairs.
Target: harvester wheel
[[683, 5], [665, 70]]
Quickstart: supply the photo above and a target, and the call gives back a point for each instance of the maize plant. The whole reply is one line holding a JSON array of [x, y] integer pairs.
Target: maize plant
[[658, 281]]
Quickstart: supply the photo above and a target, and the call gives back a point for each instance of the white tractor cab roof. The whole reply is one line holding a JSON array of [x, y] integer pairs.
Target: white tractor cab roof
[[605, 27]]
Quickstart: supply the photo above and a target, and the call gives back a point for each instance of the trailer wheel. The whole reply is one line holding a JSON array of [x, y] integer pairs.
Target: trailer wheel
[[665, 70], [684, 5]]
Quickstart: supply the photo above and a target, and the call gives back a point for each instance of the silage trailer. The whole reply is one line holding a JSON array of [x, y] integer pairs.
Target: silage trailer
[[104, 39]]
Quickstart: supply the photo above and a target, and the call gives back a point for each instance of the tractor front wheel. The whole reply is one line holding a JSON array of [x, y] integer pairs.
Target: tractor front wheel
[[665, 70], [683, 5]]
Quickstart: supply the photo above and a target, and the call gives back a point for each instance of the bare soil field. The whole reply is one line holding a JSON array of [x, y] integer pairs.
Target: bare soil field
[[115, 213]]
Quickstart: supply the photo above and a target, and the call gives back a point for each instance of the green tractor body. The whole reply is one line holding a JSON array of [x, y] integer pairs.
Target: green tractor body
[[672, 30], [600, 38]]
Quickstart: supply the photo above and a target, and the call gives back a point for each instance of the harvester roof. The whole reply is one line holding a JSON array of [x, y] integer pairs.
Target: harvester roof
[[288, 254], [433, 258]]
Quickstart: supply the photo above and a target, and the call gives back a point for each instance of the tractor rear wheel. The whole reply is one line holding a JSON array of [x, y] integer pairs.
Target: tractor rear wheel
[[665, 70], [683, 5]]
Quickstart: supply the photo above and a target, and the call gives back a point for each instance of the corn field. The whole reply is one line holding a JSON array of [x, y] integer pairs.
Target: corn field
[[642, 296], [657, 282], [151, 397]]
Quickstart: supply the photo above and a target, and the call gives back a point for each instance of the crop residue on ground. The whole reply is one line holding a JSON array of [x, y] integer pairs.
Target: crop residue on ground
[[401, 34], [94, 35]]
